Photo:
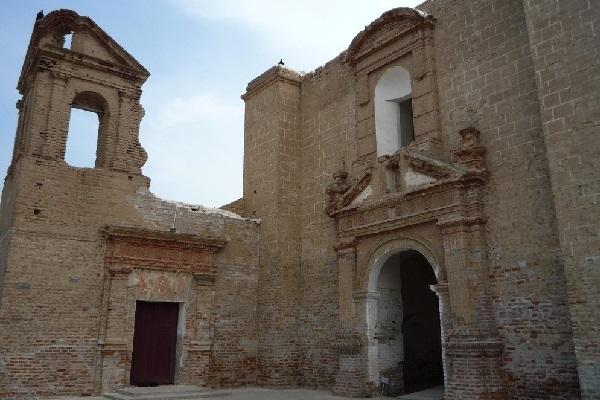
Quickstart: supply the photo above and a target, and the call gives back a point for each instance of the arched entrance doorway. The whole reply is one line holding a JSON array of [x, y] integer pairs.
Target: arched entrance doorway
[[407, 330]]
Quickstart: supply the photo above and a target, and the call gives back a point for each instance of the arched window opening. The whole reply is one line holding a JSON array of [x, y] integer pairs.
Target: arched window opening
[[393, 111], [86, 128]]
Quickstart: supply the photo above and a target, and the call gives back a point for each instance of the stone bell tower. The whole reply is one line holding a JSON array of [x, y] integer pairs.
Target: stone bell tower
[[51, 212], [92, 73]]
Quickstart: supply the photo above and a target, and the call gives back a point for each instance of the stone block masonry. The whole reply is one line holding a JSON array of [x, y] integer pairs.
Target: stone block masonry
[[303, 281], [81, 246]]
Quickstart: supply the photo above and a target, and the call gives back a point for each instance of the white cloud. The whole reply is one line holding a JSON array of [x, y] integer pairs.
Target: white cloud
[[195, 150], [187, 111], [193, 136], [309, 32]]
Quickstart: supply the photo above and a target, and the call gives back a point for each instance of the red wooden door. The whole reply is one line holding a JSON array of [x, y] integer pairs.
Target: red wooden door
[[154, 343]]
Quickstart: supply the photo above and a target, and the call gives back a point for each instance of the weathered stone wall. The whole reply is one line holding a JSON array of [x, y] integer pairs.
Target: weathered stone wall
[[284, 291], [565, 46], [66, 315], [327, 139], [52, 300], [486, 79], [271, 193]]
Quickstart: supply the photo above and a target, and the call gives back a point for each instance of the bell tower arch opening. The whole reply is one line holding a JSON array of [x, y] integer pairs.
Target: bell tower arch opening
[[407, 330], [87, 130]]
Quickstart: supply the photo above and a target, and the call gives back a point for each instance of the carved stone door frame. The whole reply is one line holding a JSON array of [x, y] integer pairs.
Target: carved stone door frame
[[156, 266], [446, 206]]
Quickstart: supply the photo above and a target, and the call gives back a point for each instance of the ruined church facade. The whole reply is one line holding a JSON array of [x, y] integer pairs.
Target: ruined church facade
[[422, 209]]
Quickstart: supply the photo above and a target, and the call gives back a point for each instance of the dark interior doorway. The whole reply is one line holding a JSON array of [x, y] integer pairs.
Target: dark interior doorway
[[420, 325], [408, 330], [154, 343]]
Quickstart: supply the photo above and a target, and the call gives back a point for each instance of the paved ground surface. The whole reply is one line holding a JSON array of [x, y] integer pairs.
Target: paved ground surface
[[289, 394], [436, 393], [254, 394]]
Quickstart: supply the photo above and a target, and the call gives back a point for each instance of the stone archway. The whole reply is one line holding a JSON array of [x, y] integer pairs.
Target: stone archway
[[384, 353], [407, 329]]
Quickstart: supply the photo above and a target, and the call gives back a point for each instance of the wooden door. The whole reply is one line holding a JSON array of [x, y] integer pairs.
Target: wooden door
[[154, 343]]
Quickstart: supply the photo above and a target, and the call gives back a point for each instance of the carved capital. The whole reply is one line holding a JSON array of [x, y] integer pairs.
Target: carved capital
[[132, 248]]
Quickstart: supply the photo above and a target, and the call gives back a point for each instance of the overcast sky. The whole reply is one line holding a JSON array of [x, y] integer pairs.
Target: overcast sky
[[201, 54]]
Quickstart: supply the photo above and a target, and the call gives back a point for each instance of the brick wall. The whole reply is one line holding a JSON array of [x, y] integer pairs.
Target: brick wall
[[486, 79], [327, 139], [66, 314], [271, 193], [565, 47]]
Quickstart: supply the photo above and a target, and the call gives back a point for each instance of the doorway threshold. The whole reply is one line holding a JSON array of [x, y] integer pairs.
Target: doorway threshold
[[435, 393]]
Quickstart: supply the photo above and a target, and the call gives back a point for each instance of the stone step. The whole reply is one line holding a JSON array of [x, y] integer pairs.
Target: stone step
[[169, 396], [166, 392], [141, 391]]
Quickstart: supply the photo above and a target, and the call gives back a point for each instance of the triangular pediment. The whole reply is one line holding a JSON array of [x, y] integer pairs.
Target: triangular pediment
[[89, 40], [385, 29]]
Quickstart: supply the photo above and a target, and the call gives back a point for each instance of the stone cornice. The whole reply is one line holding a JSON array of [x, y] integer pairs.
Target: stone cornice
[[276, 73], [164, 239], [42, 58], [394, 198], [440, 203]]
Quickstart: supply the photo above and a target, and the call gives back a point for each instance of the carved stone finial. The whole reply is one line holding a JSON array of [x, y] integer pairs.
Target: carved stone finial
[[337, 188], [471, 152]]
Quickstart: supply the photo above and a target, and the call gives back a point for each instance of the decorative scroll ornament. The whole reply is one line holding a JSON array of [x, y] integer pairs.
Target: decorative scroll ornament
[[406, 172], [428, 166]]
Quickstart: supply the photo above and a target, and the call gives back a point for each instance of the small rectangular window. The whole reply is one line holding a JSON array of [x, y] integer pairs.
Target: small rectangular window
[[407, 131]]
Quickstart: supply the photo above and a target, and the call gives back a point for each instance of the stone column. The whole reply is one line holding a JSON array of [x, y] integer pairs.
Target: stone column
[[441, 290], [117, 343], [350, 377], [365, 305], [357, 349], [198, 333], [346, 255]]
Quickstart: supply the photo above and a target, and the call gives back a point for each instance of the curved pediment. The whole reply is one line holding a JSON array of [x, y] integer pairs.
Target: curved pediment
[[385, 29]]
